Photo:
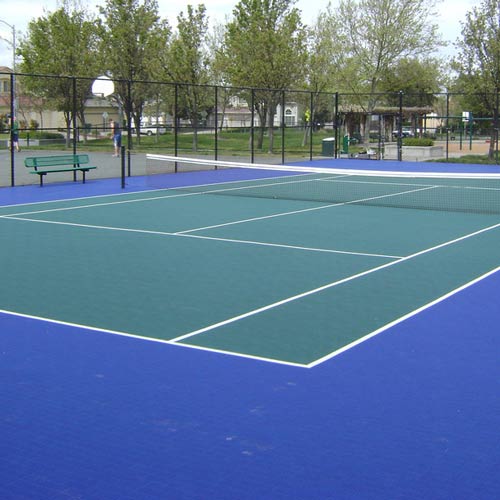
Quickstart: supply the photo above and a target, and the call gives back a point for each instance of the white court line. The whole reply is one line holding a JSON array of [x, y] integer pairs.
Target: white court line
[[200, 237], [249, 356], [400, 320], [21, 216], [148, 339], [94, 205], [133, 193], [177, 340], [293, 180], [183, 194], [310, 209], [328, 286]]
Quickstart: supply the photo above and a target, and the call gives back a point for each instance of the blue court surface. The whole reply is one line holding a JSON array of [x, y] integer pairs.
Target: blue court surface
[[411, 411]]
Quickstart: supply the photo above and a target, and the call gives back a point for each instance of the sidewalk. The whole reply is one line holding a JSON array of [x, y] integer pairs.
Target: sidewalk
[[108, 167]]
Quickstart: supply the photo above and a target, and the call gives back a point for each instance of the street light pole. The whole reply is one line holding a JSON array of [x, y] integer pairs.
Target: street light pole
[[12, 43]]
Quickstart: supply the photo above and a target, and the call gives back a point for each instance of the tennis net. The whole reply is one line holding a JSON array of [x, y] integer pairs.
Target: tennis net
[[460, 192]]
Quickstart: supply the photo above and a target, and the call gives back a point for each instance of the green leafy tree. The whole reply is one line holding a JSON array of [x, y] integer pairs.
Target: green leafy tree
[[265, 48], [420, 82], [134, 42], [478, 62], [218, 75], [418, 79], [321, 70], [190, 65], [63, 43], [374, 36]]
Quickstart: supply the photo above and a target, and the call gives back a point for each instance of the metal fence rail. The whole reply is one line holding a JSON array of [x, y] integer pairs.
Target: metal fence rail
[[62, 113]]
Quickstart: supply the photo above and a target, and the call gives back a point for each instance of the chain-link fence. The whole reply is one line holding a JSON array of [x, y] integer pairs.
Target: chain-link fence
[[68, 114]]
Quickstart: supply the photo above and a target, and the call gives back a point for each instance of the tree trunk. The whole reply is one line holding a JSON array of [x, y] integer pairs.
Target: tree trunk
[[270, 129]]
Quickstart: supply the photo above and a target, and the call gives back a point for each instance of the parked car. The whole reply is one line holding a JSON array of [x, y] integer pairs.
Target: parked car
[[405, 132], [149, 129]]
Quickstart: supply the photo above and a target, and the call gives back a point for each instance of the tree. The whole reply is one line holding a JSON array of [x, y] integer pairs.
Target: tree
[[321, 71], [189, 64], [375, 35], [63, 43], [478, 62], [134, 41], [265, 48], [218, 75], [418, 79]]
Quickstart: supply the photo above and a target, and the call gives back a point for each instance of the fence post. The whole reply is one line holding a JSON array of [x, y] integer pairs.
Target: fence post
[[400, 127], [122, 163], [311, 120], [336, 124], [12, 117], [216, 125], [252, 119], [176, 123], [496, 127], [447, 124], [73, 88], [129, 127], [282, 127]]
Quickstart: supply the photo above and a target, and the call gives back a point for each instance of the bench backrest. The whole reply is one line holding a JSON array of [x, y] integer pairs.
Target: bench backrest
[[55, 161]]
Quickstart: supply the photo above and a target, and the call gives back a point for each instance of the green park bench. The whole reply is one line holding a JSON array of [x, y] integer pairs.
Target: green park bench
[[43, 165]]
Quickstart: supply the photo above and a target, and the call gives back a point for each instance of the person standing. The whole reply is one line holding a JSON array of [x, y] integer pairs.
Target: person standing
[[15, 133], [116, 133]]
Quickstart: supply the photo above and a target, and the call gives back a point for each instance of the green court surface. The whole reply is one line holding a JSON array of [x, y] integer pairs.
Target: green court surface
[[283, 280]]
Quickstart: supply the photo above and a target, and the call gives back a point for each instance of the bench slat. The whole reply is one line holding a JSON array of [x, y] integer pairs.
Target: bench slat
[[85, 168], [51, 161]]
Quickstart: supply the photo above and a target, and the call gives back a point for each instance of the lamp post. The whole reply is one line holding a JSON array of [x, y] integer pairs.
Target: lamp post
[[12, 43]]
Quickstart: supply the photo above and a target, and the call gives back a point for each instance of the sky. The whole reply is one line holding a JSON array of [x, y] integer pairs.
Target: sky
[[15, 16]]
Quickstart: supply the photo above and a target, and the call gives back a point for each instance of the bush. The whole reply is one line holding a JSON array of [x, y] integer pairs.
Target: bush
[[416, 141], [42, 135]]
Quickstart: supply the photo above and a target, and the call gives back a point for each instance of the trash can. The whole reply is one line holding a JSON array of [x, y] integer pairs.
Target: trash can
[[345, 144], [328, 146]]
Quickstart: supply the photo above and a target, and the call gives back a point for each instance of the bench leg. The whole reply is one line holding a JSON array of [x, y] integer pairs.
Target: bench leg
[[41, 179], [83, 172]]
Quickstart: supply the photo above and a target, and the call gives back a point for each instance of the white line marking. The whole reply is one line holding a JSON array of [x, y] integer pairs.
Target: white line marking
[[310, 209], [248, 356], [400, 320], [328, 286], [217, 191], [200, 237], [94, 205], [172, 192], [296, 247], [148, 339]]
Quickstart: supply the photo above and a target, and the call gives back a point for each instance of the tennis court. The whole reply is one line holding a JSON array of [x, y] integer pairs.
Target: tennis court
[[254, 333]]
